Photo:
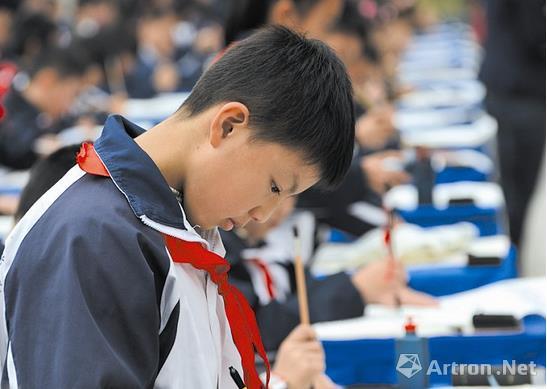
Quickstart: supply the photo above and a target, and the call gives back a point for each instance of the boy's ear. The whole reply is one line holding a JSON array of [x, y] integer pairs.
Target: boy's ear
[[229, 117]]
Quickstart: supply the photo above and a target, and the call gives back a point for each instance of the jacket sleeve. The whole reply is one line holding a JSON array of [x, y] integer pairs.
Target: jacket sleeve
[[331, 298], [17, 138], [82, 306]]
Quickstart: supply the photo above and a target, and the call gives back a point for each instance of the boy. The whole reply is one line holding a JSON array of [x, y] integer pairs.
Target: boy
[[34, 109], [114, 278]]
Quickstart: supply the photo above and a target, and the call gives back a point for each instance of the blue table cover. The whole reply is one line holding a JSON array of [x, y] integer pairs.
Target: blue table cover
[[441, 281], [488, 220], [457, 174], [373, 361]]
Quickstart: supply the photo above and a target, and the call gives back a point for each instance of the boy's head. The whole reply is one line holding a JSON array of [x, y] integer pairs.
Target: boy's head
[[30, 34], [43, 175], [56, 78], [276, 117]]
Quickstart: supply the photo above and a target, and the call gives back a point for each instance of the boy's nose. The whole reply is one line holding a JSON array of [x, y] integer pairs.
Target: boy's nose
[[262, 213]]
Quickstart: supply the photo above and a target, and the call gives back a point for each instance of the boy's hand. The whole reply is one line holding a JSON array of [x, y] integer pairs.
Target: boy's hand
[[324, 382], [373, 284], [376, 288], [380, 176], [300, 359], [408, 296]]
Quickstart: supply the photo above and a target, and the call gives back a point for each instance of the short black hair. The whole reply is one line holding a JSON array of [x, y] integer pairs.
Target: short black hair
[[298, 94], [44, 174], [72, 61], [30, 30]]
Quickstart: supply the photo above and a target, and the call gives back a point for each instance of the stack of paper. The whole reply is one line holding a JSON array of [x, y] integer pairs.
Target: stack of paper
[[519, 297]]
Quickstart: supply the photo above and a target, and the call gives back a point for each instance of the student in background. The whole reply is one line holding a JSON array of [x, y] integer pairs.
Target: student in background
[[264, 271], [513, 72], [350, 38], [31, 33], [312, 17], [44, 174], [36, 105], [154, 70]]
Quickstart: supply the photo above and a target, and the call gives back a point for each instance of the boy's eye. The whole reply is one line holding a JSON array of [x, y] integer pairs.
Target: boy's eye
[[274, 188]]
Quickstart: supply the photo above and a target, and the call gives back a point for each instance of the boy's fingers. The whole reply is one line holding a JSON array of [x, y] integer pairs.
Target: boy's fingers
[[312, 347], [302, 333], [396, 178], [409, 296]]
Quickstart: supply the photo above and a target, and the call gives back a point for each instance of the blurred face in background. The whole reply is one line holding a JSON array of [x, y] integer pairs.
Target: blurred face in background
[[322, 16], [349, 49], [49, 8], [102, 14], [314, 21], [56, 93], [155, 34], [391, 38], [5, 26], [63, 95]]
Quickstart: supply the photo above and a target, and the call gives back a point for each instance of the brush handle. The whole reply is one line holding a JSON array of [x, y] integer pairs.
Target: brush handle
[[301, 290]]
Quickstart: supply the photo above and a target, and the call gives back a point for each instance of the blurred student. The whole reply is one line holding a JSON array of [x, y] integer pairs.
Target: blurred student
[[264, 271], [513, 71], [36, 104], [350, 37], [31, 33], [122, 261], [312, 17], [154, 70]]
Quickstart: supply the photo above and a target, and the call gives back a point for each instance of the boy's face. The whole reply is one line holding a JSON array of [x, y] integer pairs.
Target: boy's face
[[64, 94], [234, 180], [257, 230], [59, 92]]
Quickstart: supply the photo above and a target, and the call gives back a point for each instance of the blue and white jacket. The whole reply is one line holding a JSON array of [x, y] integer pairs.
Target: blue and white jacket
[[90, 297]]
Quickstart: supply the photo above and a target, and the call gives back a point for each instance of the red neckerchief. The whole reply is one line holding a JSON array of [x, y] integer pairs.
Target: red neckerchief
[[240, 315], [267, 275]]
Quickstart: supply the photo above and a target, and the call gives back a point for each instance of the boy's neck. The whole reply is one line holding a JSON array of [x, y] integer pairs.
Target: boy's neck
[[169, 144]]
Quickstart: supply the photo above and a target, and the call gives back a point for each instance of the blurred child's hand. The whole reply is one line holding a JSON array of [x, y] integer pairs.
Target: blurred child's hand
[[379, 175], [375, 286], [378, 283], [324, 382], [408, 296], [300, 359]]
